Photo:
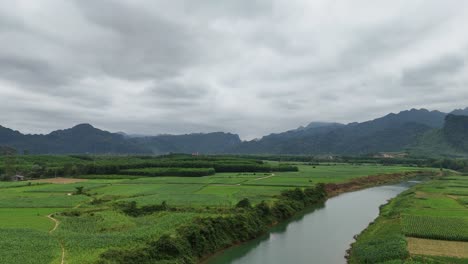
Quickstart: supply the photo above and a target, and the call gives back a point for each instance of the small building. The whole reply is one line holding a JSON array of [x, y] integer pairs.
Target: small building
[[18, 178]]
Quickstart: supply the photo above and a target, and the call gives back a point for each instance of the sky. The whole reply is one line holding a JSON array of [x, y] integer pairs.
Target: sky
[[251, 67]]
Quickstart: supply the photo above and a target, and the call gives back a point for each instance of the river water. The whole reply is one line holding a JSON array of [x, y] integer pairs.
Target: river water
[[320, 235]]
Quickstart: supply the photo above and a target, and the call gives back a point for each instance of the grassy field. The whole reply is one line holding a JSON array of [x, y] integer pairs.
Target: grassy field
[[91, 221], [427, 224]]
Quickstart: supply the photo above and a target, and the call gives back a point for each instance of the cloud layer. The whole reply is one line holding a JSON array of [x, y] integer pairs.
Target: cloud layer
[[246, 66]]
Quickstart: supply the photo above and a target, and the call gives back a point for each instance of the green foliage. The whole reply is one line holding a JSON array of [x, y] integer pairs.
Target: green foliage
[[131, 209], [171, 165], [205, 236], [455, 131], [21, 245], [392, 247], [79, 190], [182, 172], [244, 203]]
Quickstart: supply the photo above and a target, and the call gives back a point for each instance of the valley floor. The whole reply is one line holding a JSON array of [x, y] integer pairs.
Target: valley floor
[[39, 219]]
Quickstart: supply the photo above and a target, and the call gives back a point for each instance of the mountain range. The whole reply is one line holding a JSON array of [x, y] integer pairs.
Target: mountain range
[[416, 131]]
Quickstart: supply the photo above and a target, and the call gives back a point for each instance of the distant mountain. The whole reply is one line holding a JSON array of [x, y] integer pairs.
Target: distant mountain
[[393, 132], [420, 132], [313, 125], [82, 138], [462, 112], [209, 143]]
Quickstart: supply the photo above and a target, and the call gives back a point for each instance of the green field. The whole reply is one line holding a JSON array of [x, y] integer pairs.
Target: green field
[[95, 220], [427, 214]]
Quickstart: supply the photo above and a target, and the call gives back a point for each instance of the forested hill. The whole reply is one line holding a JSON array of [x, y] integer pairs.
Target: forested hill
[[463, 112], [82, 138], [449, 141], [421, 132], [456, 131], [393, 132], [210, 143]]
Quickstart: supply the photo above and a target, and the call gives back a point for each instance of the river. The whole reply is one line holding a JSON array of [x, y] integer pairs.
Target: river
[[320, 235]]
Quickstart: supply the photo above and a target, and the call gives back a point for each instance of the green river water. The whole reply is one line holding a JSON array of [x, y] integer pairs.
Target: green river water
[[320, 235]]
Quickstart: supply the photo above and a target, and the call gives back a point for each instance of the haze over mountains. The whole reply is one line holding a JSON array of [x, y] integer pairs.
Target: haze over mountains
[[420, 132]]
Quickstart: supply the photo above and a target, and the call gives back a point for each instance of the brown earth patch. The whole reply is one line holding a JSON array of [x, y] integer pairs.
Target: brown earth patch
[[430, 247], [334, 189], [60, 180]]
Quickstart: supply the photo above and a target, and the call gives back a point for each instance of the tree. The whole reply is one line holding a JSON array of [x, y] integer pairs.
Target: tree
[[244, 203], [79, 190]]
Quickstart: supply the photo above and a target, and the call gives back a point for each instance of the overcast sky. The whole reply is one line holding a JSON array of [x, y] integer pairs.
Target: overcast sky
[[250, 67]]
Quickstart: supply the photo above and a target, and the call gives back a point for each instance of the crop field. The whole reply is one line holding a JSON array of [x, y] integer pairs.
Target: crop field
[[430, 247], [94, 210], [91, 234], [23, 245], [436, 227], [433, 216]]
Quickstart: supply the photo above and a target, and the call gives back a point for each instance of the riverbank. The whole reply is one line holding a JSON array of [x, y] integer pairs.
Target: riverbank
[[333, 190], [206, 236], [319, 236], [426, 224]]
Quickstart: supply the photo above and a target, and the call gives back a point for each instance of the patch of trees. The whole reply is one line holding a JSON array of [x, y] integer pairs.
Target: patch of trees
[[205, 236], [173, 165], [131, 208], [451, 164], [181, 172], [5, 150]]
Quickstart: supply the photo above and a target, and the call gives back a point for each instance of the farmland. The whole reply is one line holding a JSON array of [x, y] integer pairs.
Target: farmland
[[427, 224], [103, 217]]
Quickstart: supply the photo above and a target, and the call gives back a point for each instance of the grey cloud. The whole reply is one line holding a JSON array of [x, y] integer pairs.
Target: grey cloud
[[143, 45], [29, 71], [174, 90], [430, 74], [250, 67]]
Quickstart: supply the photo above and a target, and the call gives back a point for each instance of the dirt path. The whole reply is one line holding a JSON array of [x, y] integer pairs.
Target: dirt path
[[266, 177], [59, 180], [57, 223]]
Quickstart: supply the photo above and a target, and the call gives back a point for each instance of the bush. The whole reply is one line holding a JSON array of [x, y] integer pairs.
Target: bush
[[381, 250], [244, 203]]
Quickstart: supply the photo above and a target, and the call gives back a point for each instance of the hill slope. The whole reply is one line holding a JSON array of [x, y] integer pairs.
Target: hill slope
[[84, 138], [449, 141], [393, 132], [420, 131], [209, 143], [80, 139]]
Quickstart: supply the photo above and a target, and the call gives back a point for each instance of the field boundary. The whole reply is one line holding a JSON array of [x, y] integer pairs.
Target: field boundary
[[57, 223]]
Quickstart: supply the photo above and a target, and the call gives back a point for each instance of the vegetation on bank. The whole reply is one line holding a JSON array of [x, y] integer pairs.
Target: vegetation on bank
[[432, 211], [205, 236]]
